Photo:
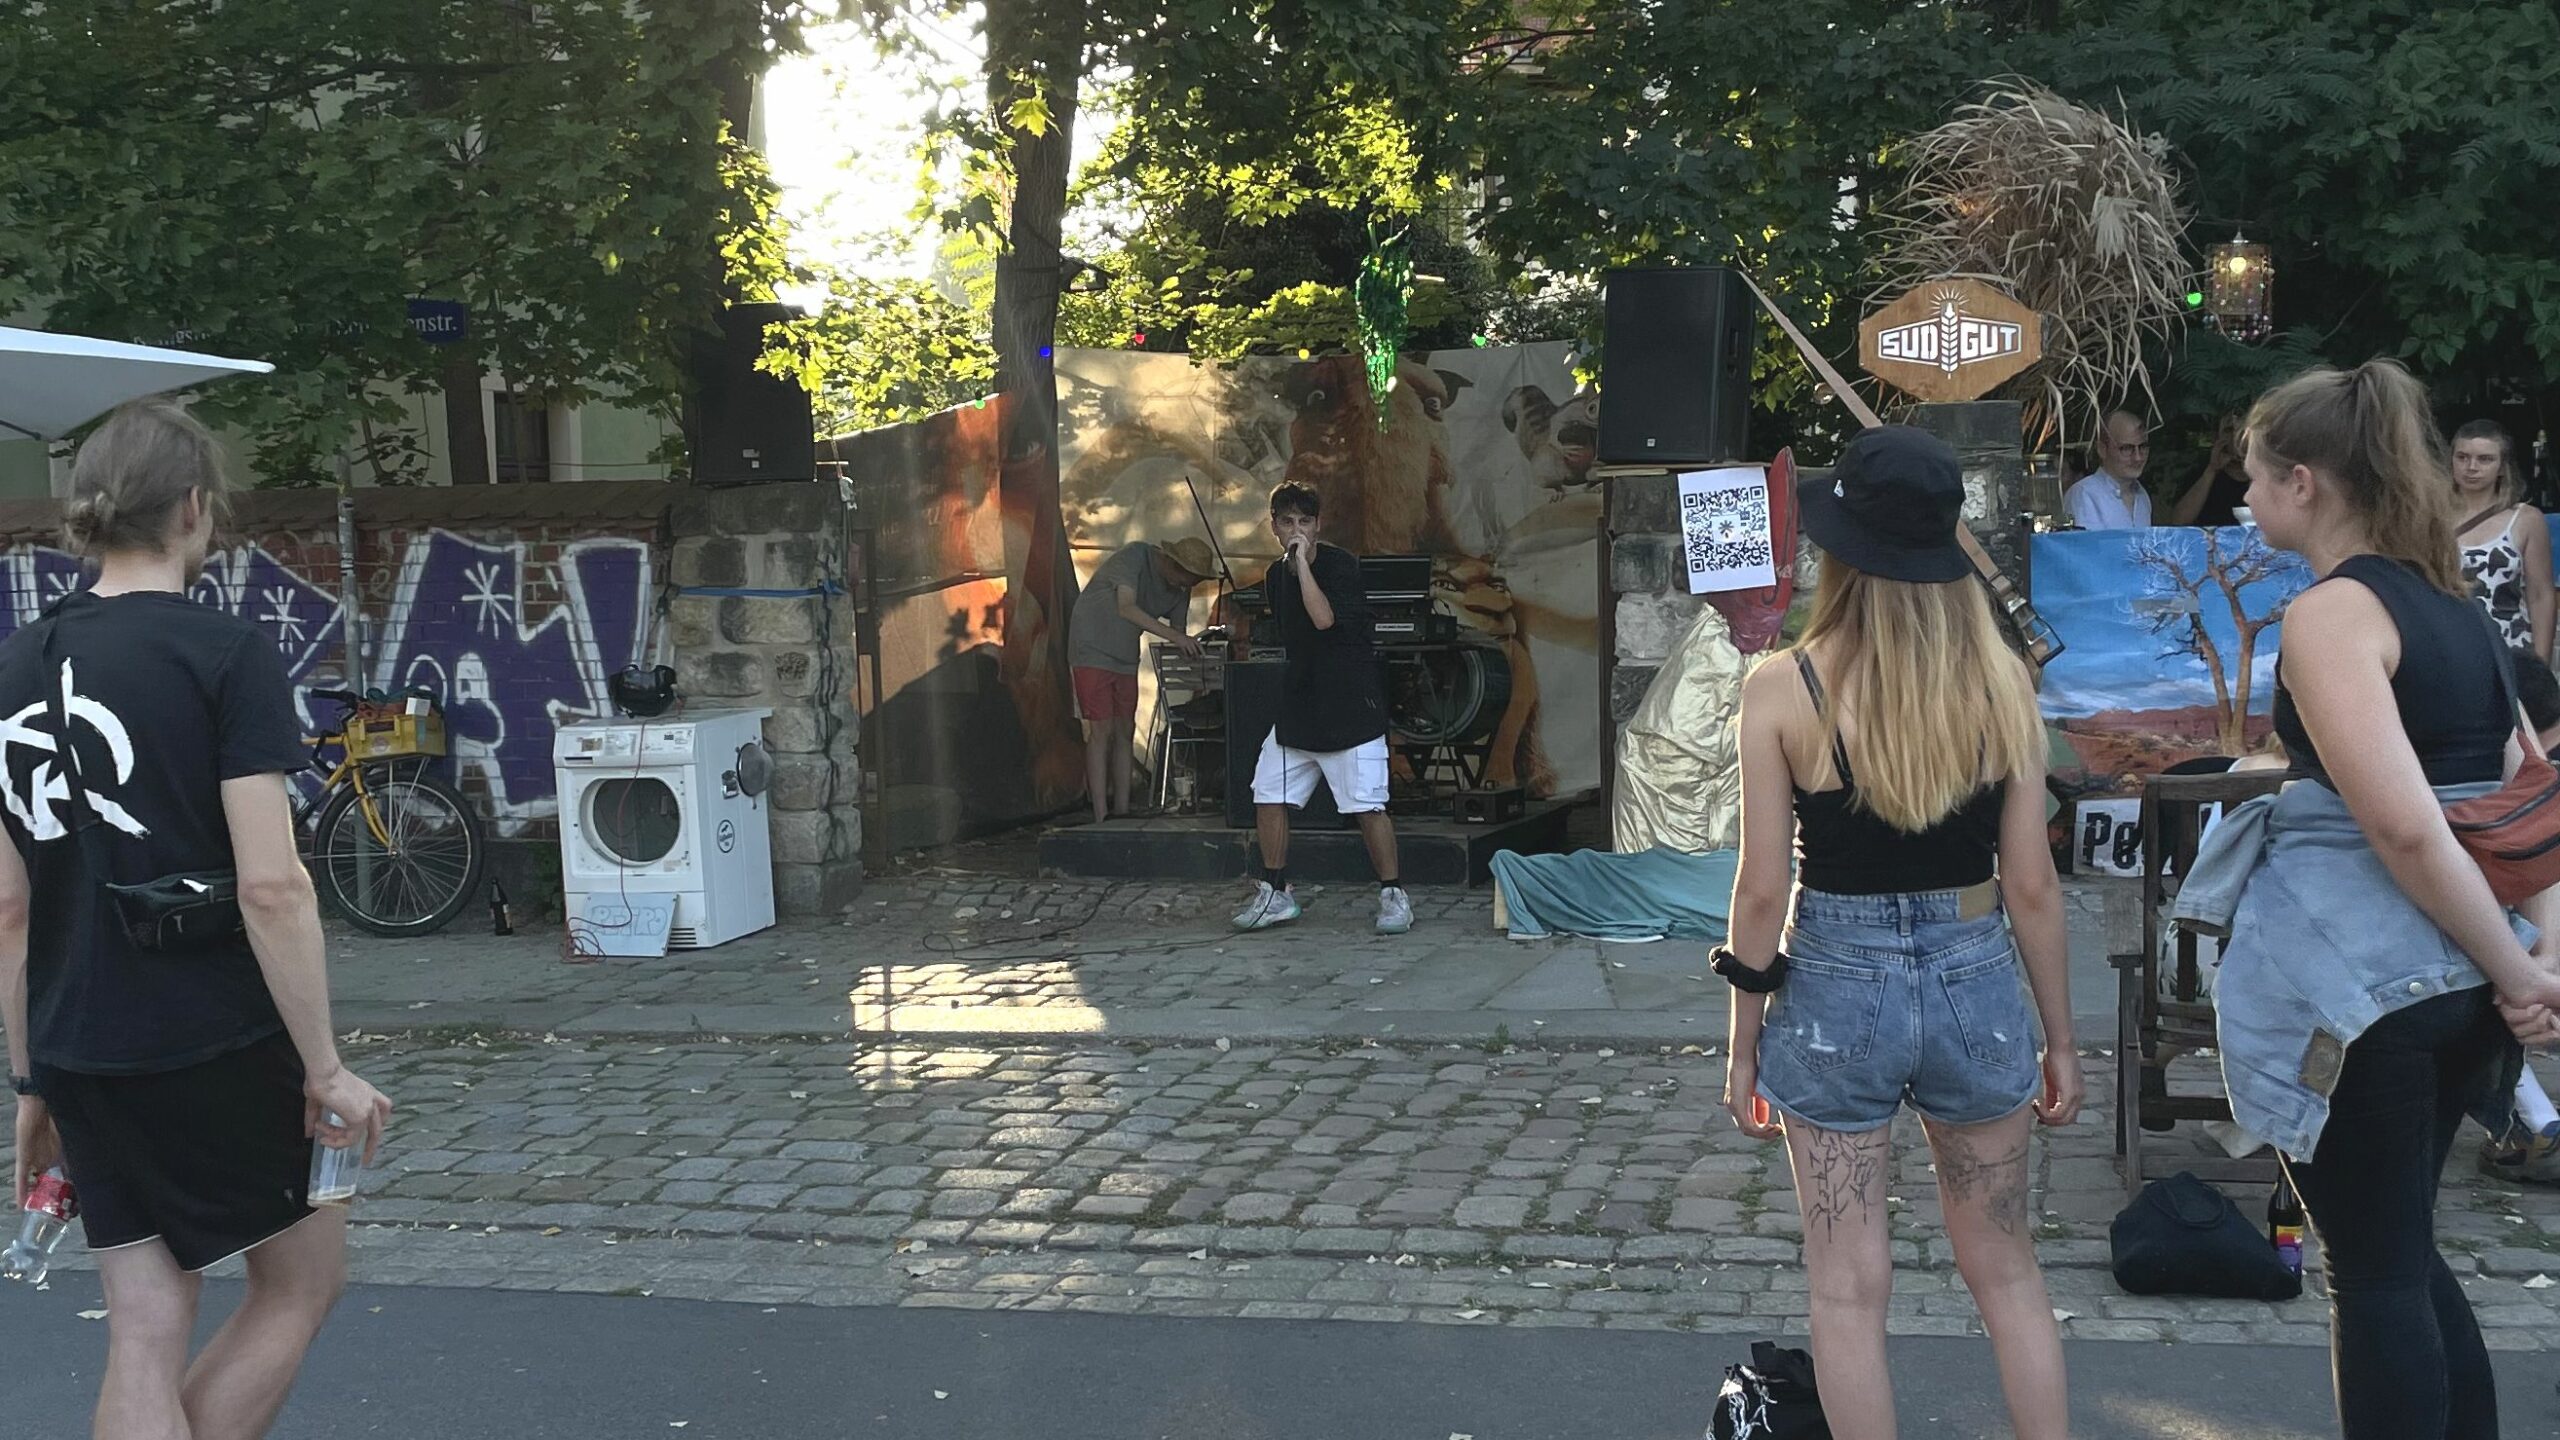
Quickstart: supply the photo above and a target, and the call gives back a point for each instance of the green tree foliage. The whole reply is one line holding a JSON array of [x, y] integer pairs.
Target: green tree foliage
[[278, 179], [2401, 158], [1702, 133]]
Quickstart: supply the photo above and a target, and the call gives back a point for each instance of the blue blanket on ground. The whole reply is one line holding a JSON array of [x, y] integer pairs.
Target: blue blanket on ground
[[1607, 896]]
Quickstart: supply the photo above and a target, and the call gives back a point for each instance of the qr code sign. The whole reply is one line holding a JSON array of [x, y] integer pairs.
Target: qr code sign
[[1725, 529]]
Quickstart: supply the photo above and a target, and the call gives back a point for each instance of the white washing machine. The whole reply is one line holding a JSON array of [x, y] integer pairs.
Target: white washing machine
[[670, 809]]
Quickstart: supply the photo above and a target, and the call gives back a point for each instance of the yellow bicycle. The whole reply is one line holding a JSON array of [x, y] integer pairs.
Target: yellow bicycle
[[394, 849]]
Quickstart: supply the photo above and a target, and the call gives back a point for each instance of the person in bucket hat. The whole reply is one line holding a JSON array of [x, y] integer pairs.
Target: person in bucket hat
[[1895, 755]]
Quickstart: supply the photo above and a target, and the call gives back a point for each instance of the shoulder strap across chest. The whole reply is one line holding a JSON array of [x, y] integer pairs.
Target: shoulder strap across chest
[[1813, 687]]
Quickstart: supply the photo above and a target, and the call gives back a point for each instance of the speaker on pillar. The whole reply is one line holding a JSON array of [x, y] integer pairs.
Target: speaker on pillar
[[1676, 366], [748, 425]]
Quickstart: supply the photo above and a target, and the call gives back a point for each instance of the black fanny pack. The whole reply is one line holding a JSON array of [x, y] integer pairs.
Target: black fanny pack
[[171, 915], [177, 913]]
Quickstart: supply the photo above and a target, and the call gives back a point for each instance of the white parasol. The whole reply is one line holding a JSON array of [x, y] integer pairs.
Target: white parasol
[[51, 385]]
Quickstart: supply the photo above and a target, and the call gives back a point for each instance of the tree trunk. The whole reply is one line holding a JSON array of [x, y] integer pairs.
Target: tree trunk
[[466, 427], [1035, 50]]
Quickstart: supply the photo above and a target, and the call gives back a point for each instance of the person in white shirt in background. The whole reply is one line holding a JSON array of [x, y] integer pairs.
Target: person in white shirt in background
[[2111, 497]]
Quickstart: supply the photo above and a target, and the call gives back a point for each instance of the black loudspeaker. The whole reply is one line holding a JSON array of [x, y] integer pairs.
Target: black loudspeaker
[[748, 425], [1253, 707], [1676, 367]]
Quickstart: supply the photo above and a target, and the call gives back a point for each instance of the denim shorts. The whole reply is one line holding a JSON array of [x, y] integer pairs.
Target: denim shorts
[[1891, 998]]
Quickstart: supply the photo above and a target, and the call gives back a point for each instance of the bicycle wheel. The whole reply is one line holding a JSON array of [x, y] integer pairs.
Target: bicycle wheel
[[418, 882]]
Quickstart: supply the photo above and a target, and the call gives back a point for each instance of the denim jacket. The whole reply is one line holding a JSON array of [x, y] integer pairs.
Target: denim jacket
[[2323, 944]]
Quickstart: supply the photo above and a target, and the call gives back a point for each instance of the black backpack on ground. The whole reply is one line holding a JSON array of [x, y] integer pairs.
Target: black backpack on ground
[[2181, 1236], [1772, 1398]]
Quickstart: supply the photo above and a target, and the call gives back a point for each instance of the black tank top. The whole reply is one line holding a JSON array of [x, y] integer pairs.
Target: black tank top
[[2451, 698], [1844, 849]]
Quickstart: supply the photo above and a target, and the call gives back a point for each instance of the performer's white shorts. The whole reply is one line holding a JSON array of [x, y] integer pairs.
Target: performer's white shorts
[[1357, 776]]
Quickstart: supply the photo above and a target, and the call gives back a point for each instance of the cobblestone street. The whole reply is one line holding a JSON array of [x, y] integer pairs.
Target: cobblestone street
[[1447, 1185], [1220, 1125]]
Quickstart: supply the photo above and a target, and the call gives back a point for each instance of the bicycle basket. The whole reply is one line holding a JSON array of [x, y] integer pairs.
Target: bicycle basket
[[395, 730]]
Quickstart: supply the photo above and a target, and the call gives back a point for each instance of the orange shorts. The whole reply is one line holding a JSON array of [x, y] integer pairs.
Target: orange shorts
[[1105, 694]]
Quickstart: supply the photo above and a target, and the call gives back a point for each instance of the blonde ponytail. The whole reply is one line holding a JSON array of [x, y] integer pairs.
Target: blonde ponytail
[[2371, 431]]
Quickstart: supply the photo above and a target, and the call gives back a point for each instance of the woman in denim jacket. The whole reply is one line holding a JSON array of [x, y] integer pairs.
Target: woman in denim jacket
[[1898, 747], [2372, 982]]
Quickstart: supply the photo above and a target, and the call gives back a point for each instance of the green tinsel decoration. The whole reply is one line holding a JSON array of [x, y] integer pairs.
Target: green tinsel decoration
[[1378, 299]]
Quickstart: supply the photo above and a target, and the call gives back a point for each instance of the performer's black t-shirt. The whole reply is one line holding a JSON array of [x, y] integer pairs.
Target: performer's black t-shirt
[[1334, 697], [165, 700]]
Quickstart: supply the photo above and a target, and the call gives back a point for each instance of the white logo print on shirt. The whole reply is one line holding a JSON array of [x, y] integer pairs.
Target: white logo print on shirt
[[46, 786]]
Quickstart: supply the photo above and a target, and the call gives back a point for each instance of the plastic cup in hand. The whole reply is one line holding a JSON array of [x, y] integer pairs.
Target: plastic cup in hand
[[335, 1172]]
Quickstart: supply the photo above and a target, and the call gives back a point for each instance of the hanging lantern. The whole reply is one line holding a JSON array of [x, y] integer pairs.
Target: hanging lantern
[[2239, 286]]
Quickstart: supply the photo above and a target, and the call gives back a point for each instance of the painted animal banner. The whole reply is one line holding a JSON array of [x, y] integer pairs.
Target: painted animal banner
[[1485, 466], [511, 648], [2170, 639]]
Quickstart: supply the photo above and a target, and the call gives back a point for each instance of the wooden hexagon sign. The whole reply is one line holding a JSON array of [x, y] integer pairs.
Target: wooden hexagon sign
[[1950, 340]]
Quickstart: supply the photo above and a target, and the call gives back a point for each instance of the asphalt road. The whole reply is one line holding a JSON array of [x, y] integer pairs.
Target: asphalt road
[[460, 1364]]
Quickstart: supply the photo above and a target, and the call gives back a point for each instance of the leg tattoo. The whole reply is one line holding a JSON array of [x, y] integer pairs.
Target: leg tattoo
[[1990, 1171], [1843, 1175]]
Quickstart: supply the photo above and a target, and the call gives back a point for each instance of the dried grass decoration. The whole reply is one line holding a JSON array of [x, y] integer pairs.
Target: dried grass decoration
[[2067, 210]]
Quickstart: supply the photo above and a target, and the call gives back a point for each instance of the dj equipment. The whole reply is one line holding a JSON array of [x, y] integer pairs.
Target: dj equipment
[[1676, 348], [1398, 588], [1425, 629], [1490, 805]]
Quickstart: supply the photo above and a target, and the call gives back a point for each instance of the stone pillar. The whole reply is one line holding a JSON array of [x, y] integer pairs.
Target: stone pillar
[[1986, 436], [790, 650], [1648, 589]]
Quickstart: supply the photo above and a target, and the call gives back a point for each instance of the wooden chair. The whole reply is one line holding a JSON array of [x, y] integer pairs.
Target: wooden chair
[[2157, 1023]]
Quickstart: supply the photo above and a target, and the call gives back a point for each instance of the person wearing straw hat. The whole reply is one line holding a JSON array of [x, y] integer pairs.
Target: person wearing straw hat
[[1143, 588]]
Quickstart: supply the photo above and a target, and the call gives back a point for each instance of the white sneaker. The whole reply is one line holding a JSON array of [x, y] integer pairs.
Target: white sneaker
[[1267, 908], [1395, 911]]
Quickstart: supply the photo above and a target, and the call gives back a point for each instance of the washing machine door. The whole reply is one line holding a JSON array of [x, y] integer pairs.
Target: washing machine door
[[635, 822]]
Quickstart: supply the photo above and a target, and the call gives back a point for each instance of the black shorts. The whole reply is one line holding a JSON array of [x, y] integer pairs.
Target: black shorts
[[209, 1160]]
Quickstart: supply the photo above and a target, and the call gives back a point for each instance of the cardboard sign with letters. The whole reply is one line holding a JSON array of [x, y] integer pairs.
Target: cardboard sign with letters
[[1950, 340]]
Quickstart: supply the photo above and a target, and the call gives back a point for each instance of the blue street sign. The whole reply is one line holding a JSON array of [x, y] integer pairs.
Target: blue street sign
[[439, 322]]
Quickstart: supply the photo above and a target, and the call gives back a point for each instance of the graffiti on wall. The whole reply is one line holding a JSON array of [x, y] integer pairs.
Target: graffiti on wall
[[511, 650]]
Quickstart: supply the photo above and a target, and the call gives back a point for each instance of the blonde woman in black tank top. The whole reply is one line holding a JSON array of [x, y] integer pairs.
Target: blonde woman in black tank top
[[1898, 751]]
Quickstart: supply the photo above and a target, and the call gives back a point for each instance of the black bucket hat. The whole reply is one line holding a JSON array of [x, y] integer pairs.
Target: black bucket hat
[[1890, 507]]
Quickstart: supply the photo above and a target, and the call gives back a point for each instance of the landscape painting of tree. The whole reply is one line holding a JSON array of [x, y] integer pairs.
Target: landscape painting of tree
[[2172, 639]]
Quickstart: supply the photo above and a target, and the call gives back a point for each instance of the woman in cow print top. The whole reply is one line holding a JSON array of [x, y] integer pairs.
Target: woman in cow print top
[[2506, 547]]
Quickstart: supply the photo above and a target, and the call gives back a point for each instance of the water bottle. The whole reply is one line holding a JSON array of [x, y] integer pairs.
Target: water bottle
[[334, 1172], [2286, 1222], [51, 1207]]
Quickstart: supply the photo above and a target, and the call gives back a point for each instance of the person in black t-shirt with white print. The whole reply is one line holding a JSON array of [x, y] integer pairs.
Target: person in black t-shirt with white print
[[1333, 714], [181, 1092]]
